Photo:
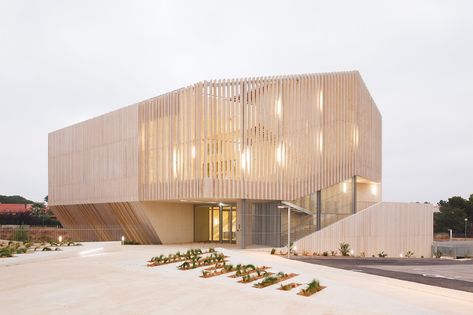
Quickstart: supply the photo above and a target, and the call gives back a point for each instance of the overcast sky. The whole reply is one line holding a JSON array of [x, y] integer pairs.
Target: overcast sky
[[65, 61]]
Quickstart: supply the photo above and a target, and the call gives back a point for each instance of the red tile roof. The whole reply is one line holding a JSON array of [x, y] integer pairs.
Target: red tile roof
[[11, 207]]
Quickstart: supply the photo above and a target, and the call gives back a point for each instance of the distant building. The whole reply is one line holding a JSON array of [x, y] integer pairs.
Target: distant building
[[14, 208]]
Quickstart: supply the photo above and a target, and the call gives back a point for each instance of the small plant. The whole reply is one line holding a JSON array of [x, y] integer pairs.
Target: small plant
[[344, 249], [205, 273], [312, 287], [47, 249], [21, 234], [333, 253], [363, 254], [409, 254], [382, 254], [438, 253], [21, 250], [325, 253], [289, 286], [211, 250], [6, 252], [273, 251], [184, 266]]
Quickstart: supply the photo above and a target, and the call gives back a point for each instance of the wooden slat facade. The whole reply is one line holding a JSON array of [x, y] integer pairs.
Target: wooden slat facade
[[266, 138], [392, 227]]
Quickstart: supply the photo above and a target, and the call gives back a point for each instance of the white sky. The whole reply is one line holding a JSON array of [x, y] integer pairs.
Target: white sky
[[65, 61]]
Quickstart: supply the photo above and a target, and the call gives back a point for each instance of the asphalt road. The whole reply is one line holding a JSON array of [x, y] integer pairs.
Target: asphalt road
[[446, 273]]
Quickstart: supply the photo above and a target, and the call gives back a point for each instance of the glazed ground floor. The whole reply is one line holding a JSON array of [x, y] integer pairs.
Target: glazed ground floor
[[242, 221], [105, 268]]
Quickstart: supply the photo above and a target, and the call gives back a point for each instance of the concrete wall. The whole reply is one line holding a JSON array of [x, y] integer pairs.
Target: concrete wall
[[391, 227], [173, 222]]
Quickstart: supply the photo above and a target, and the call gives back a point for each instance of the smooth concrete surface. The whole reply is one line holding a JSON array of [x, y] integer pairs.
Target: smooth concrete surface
[[173, 222], [107, 278]]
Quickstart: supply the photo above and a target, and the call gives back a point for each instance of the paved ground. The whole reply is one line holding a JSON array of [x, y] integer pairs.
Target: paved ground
[[446, 273], [106, 278]]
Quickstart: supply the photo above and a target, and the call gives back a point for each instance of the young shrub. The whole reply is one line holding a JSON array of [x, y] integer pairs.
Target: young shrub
[[409, 254], [437, 253], [21, 250], [6, 252], [184, 266], [312, 287], [273, 251], [325, 253], [289, 286], [211, 250], [344, 249], [382, 254], [21, 234]]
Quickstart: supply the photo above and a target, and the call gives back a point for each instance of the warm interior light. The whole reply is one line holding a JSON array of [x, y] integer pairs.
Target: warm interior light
[[344, 187], [123, 238], [59, 239], [400, 255], [193, 152], [280, 154], [279, 107], [245, 160], [175, 162], [355, 136], [374, 189]]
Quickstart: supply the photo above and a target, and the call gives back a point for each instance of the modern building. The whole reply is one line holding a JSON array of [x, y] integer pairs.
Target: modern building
[[219, 161]]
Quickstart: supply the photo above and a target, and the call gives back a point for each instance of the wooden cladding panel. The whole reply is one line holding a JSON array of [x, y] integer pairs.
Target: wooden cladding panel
[[274, 138], [96, 160], [100, 221], [394, 228], [267, 138]]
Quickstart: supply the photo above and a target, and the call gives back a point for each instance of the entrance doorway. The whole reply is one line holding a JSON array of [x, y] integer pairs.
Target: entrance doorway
[[215, 223]]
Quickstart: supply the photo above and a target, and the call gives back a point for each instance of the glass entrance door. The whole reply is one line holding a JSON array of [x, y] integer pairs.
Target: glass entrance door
[[215, 223], [228, 223]]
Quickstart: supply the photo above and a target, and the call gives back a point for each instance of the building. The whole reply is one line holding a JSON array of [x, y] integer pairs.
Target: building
[[14, 208], [218, 161]]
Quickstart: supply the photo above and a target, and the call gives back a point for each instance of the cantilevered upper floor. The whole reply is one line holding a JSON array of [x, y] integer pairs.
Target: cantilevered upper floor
[[267, 138]]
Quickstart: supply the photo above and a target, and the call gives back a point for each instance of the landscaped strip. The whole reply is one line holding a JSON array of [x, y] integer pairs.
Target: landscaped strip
[[312, 287], [270, 280], [259, 275], [243, 270], [289, 286]]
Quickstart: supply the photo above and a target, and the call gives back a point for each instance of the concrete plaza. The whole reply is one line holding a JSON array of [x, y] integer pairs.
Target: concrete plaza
[[107, 278]]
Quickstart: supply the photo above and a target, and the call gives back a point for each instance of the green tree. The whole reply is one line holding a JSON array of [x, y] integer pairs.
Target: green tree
[[14, 199], [38, 209], [453, 213]]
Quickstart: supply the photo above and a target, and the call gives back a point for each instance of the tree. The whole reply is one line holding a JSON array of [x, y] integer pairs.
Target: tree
[[46, 199], [14, 200], [449, 218], [453, 213], [38, 209]]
